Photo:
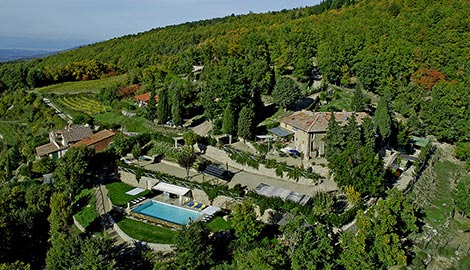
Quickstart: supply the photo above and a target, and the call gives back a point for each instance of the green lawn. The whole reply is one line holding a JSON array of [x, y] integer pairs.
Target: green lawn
[[88, 215], [81, 87], [442, 204], [219, 224], [117, 193], [341, 101], [146, 232], [448, 231], [131, 124]]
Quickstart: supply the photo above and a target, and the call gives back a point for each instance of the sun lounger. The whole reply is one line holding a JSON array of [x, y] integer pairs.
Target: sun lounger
[[207, 218], [198, 205], [190, 204]]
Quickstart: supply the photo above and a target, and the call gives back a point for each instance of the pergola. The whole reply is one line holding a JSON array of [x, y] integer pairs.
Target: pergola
[[172, 189], [280, 132]]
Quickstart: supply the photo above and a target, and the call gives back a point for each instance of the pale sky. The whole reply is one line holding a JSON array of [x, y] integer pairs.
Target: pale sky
[[95, 20]]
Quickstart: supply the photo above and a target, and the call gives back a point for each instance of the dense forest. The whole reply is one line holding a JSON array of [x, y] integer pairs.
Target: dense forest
[[411, 56], [416, 50]]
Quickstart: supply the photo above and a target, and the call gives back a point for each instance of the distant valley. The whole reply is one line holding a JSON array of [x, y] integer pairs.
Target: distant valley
[[16, 54], [14, 48]]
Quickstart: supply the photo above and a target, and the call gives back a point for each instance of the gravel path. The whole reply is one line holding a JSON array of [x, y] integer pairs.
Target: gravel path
[[61, 114]]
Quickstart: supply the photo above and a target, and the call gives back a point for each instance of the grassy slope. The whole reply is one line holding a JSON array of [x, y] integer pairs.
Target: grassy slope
[[88, 213], [147, 232], [117, 193], [219, 224], [443, 233], [131, 124], [81, 87]]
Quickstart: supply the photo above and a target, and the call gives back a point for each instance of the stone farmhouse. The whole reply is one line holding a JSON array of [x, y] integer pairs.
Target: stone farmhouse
[[98, 141], [73, 135], [309, 129]]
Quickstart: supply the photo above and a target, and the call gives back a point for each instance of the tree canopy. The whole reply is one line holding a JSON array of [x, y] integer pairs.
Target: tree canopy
[[286, 92]]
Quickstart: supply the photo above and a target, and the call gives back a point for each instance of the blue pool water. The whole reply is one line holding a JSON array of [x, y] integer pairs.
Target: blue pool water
[[167, 212]]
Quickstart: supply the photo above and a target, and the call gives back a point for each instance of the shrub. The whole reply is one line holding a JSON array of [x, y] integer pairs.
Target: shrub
[[339, 220], [270, 163], [271, 125], [462, 152]]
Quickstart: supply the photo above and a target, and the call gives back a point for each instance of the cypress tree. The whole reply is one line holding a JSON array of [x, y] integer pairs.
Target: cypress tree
[[352, 132], [228, 123], [8, 170], [358, 102], [176, 108], [152, 106], [334, 138], [246, 122], [368, 133], [163, 108], [382, 119]]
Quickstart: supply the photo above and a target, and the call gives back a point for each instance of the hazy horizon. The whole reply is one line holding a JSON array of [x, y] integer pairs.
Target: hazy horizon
[[64, 24]]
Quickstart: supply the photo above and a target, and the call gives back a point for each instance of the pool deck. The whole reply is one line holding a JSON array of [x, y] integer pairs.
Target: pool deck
[[175, 202]]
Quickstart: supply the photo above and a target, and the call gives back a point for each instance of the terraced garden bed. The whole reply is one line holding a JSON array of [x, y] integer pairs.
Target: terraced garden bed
[[82, 104]]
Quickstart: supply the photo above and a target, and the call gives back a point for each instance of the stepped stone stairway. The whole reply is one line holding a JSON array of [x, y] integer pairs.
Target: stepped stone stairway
[[103, 207]]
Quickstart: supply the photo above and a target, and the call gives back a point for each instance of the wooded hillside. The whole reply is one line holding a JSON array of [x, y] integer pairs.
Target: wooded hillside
[[416, 50]]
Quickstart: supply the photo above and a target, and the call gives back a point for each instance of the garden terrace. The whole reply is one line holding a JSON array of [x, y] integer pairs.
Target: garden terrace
[[82, 104], [221, 190]]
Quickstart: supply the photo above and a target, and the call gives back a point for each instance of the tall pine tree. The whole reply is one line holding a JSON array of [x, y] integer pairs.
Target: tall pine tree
[[382, 119]]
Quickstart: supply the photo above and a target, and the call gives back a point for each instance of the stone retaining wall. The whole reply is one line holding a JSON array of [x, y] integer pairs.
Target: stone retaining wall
[[79, 226], [220, 156]]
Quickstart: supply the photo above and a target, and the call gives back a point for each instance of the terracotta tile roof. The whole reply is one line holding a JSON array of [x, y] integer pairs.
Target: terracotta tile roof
[[75, 133], [145, 97], [46, 149], [309, 121], [95, 138]]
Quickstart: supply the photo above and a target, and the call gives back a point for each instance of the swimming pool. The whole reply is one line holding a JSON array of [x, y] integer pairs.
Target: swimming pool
[[167, 212]]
